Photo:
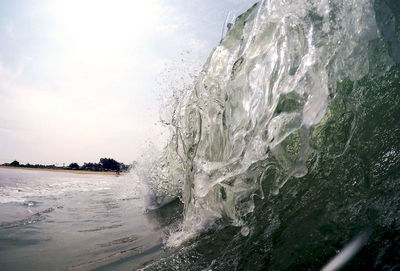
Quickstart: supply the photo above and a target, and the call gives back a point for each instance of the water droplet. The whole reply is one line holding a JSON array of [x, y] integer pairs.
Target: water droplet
[[245, 231]]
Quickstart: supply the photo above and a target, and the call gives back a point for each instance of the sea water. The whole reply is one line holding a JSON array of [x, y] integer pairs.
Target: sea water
[[286, 148], [65, 221]]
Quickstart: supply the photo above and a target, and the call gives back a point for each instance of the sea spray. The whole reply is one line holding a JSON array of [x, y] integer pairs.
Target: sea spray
[[288, 140], [160, 170]]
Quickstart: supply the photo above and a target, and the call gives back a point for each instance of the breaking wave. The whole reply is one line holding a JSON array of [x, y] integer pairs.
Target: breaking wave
[[287, 145]]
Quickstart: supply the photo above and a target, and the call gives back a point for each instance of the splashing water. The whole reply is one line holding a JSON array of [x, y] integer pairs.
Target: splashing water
[[290, 135]]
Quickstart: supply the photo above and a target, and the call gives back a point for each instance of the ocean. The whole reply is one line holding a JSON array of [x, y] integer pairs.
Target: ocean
[[285, 150], [66, 221]]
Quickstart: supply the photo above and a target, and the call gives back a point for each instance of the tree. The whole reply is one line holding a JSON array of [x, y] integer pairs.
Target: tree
[[73, 166], [109, 164], [91, 166], [15, 163]]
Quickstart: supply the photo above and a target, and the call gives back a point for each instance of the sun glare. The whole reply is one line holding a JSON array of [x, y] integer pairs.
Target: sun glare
[[97, 39], [116, 19], [102, 26]]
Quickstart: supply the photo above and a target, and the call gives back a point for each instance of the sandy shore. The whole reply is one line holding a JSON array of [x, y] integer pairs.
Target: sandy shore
[[67, 170]]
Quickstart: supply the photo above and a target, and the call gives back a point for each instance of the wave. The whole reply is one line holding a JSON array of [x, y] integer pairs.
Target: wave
[[288, 140], [37, 217]]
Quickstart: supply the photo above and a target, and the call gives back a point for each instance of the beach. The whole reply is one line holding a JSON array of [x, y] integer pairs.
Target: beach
[[74, 171]]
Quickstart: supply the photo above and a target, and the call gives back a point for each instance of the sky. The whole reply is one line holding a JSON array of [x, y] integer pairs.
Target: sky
[[82, 79]]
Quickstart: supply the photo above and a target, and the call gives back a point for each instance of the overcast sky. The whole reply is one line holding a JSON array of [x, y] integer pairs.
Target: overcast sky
[[80, 80]]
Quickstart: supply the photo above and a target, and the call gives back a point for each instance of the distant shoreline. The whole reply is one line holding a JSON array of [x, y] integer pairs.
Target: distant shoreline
[[75, 171]]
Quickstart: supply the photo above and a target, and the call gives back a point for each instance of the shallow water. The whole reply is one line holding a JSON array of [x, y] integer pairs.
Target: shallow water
[[65, 221]]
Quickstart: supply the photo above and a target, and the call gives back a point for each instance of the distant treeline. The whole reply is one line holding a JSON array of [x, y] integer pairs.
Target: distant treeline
[[105, 164]]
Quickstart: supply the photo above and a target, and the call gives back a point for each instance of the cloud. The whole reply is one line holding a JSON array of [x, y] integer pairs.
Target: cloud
[[45, 125]]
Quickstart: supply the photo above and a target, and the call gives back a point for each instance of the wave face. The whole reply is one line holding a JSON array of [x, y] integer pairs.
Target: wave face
[[289, 140]]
